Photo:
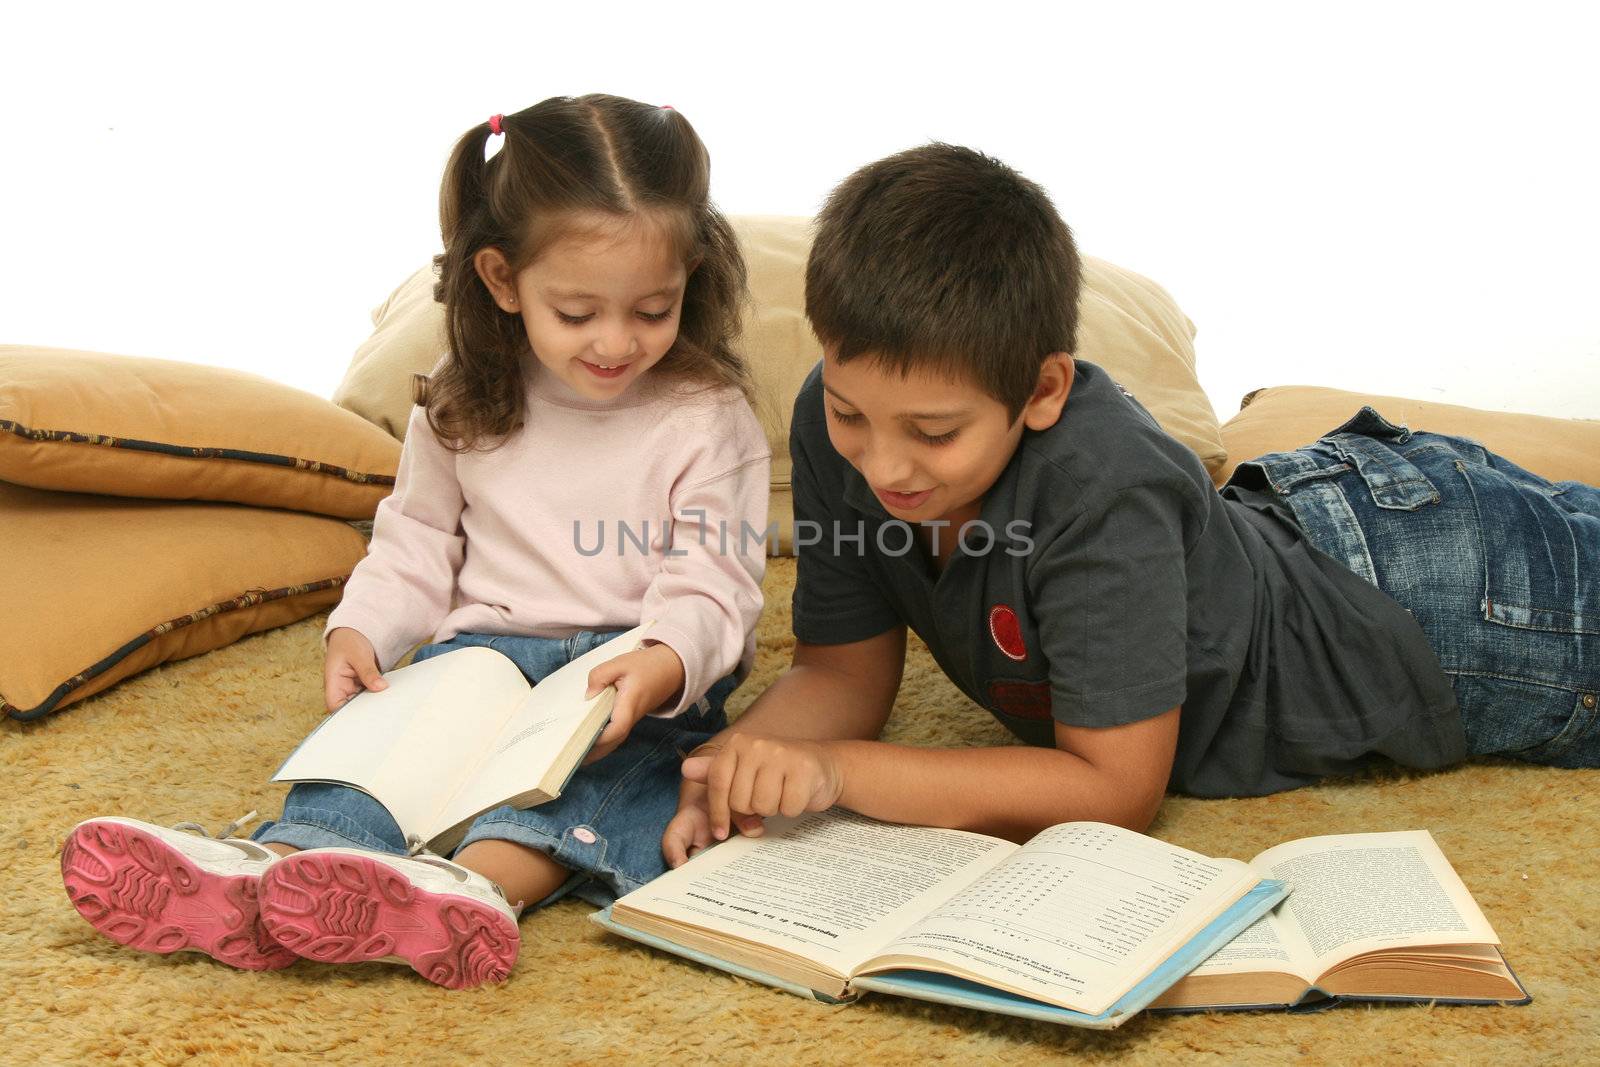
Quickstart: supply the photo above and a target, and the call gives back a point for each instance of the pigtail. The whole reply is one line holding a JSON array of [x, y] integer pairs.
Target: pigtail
[[461, 192], [713, 304], [477, 396]]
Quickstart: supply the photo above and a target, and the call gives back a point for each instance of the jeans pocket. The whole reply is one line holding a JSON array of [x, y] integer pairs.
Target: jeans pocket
[[1553, 725], [1396, 484], [1578, 743], [1541, 560]]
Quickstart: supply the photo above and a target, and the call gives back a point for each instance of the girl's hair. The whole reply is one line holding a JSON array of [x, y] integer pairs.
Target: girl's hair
[[566, 155]]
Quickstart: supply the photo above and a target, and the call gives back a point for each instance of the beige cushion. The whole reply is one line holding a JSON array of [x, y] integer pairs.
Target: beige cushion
[[1133, 328], [1286, 417], [98, 588], [408, 337], [1129, 325], [94, 423]]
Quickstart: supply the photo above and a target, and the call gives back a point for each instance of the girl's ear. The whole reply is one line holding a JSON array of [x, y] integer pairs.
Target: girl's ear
[[495, 270], [1050, 395], [693, 265]]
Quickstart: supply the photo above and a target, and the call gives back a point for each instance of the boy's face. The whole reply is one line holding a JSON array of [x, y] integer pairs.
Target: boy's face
[[930, 447]]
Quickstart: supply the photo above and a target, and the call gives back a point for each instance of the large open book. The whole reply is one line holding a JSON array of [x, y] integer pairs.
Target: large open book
[[1371, 917], [1084, 925], [458, 735]]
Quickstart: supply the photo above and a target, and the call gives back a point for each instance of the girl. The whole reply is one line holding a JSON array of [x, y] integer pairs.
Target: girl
[[591, 292]]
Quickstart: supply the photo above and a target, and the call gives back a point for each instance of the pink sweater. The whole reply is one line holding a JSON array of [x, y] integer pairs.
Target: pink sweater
[[504, 542]]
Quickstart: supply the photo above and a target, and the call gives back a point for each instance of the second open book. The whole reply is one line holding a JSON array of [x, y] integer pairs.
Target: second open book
[[1370, 917], [458, 735]]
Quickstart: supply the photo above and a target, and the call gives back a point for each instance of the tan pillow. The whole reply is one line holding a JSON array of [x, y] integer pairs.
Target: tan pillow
[[1133, 328], [98, 588], [94, 423], [1129, 325], [1286, 417], [408, 337]]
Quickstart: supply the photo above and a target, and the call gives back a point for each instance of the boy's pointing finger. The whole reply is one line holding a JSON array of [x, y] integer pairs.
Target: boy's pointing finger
[[719, 778]]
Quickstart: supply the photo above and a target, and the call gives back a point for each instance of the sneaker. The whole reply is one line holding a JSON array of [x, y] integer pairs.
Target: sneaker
[[341, 905], [163, 890]]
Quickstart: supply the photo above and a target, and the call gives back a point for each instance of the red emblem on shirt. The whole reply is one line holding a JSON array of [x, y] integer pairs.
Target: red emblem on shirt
[[1021, 700], [1007, 632]]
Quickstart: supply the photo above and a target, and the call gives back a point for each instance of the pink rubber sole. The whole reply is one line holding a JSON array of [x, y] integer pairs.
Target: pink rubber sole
[[341, 908], [141, 892]]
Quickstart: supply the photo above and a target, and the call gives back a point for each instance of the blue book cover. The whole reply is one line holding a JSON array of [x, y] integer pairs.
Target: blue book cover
[[944, 989]]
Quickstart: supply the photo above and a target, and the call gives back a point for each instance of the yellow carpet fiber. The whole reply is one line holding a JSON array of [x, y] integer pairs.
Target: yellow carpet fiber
[[198, 739]]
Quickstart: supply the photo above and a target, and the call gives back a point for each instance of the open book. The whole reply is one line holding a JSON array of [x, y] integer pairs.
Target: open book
[[458, 735], [1084, 925], [1371, 917]]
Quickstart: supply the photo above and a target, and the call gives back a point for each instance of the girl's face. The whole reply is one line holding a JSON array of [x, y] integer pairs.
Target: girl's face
[[601, 304]]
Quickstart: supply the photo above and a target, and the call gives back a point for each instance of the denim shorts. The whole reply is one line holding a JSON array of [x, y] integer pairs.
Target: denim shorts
[[605, 827], [1500, 567]]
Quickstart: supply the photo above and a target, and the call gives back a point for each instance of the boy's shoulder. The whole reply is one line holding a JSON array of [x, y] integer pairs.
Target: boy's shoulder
[[1107, 442]]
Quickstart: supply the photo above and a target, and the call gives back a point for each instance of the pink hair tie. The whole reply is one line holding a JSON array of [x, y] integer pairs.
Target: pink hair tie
[[666, 107], [494, 124]]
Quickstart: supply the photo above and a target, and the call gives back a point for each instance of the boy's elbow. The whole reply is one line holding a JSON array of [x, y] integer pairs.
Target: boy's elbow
[[1118, 802], [1129, 766], [1142, 811], [1134, 803]]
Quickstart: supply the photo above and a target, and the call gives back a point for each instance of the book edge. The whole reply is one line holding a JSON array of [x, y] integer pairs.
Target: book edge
[[603, 919]]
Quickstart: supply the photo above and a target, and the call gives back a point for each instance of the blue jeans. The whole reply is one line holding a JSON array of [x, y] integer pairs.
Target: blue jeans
[[1500, 567], [605, 827]]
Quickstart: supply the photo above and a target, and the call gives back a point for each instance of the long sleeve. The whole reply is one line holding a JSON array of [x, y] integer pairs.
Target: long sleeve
[[402, 590], [706, 599]]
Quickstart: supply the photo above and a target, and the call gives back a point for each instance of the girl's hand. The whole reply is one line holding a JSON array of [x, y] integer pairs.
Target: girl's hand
[[645, 680], [351, 666], [761, 776], [689, 831]]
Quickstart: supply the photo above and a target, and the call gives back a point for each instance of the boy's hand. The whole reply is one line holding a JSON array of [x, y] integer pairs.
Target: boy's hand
[[351, 665], [760, 776], [645, 679]]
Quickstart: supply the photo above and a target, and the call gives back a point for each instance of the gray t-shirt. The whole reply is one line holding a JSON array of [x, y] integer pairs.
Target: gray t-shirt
[[1118, 585]]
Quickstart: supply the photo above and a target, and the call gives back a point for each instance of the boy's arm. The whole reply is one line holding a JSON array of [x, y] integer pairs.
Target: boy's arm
[[1114, 774], [829, 692], [807, 743]]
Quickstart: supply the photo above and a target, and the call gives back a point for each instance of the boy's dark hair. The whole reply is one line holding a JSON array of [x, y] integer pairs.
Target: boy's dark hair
[[562, 156], [943, 259]]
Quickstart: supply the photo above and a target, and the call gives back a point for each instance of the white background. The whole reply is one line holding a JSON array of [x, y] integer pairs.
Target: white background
[[1394, 198]]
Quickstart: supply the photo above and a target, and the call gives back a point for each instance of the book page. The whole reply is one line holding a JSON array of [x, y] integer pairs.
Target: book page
[[1354, 893], [1267, 944], [1077, 916], [529, 748], [413, 744], [829, 887]]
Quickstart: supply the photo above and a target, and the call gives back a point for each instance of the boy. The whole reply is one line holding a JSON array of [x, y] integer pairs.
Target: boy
[[1073, 571]]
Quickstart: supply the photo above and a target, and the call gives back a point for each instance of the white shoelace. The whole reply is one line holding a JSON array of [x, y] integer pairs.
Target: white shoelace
[[227, 831], [417, 848]]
